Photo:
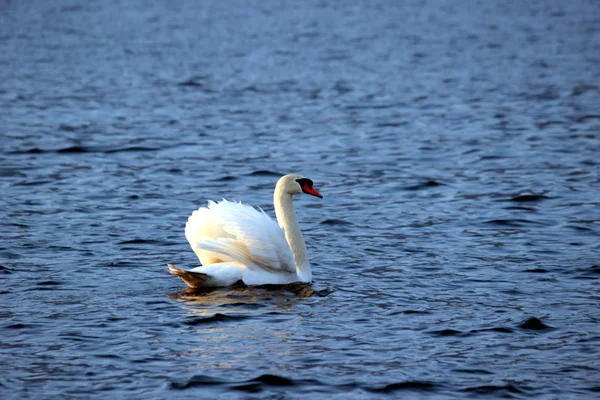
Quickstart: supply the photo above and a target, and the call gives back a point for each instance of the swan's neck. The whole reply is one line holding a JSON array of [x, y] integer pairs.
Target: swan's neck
[[286, 217]]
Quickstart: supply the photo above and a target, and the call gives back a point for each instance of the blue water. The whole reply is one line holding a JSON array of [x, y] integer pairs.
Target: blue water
[[456, 252]]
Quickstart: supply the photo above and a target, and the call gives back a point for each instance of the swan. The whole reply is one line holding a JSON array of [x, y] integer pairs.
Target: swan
[[236, 242]]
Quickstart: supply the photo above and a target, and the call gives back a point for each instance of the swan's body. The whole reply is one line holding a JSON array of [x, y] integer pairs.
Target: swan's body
[[235, 242]]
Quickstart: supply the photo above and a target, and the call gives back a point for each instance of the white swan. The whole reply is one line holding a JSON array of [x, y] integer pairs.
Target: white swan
[[237, 242]]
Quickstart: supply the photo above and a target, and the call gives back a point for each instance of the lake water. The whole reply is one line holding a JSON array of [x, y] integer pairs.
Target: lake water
[[456, 252]]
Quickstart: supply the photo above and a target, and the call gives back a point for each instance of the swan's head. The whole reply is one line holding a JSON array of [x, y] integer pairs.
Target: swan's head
[[296, 184]]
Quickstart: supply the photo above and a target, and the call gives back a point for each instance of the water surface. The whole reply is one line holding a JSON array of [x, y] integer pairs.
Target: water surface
[[456, 250]]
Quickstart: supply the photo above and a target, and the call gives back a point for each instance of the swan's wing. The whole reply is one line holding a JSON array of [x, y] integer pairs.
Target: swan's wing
[[260, 235], [205, 224], [234, 231]]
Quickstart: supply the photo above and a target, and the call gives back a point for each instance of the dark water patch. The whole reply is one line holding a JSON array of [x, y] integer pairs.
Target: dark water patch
[[108, 356], [547, 94], [537, 270], [340, 86], [197, 381], [143, 241], [11, 173], [424, 185], [512, 223], [253, 89], [49, 283], [226, 178], [583, 88], [22, 326], [269, 381], [581, 228], [335, 222], [252, 387], [195, 81], [372, 250], [17, 225], [375, 106], [447, 332], [422, 386], [34, 150], [572, 368], [87, 149], [154, 196], [34, 183], [263, 187], [132, 149], [50, 287], [491, 157], [520, 207], [72, 128], [273, 380], [121, 264], [415, 312], [175, 171], [513, 292], [391, 124], [156, 302], [69, 149], [495, 390], [4, 270], [80, 337], [499, 329], [116, 319], [147, 360], [584, 273], [545, 124], [529, 197], [75, 149], [218, 317], [534, 324], [474, 371], [584, 118], [262, 172]]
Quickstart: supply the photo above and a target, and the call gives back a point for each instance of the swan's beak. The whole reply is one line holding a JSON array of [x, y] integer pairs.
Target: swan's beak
[[312, 191]]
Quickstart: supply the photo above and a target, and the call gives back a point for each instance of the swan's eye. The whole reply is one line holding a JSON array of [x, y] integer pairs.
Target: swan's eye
[[307, 187], [304, 182]]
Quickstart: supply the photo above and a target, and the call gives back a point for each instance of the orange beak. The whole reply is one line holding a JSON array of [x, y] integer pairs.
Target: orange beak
[[310, 190]]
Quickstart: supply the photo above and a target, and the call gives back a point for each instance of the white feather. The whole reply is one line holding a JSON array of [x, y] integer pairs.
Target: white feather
[[228, 231]]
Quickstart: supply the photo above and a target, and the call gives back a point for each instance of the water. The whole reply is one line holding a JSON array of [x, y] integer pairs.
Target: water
[[456, 251]]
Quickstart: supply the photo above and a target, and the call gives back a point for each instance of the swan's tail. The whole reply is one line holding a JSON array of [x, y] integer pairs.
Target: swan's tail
[[194, 280]]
